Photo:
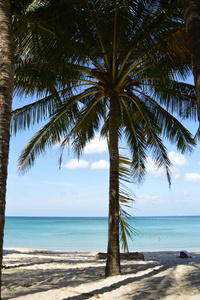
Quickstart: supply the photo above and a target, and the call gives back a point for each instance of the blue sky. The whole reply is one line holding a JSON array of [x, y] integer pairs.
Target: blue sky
[[80, 188]]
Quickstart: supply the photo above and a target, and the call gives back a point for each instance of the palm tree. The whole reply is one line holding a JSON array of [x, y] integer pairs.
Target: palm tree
[[191, 12], [6, 90], [10, 11], [119, 80]]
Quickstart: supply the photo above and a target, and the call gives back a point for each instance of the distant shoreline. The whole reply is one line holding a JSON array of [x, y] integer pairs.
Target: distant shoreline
[[7, 250], [175, 216]]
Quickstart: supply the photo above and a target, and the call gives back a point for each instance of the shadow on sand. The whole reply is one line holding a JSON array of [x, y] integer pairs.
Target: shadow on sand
[[41, 271]]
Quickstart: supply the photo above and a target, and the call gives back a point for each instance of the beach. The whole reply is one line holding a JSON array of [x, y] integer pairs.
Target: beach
[[31, 274]]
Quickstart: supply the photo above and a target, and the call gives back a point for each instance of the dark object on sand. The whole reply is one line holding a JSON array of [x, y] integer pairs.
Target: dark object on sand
[[127, 256], [184, 254]]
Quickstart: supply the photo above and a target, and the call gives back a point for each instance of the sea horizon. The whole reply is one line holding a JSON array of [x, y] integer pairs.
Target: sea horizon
[[151, 233], [153, 216]]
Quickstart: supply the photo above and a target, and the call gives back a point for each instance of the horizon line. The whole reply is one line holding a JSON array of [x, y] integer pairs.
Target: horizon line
[[145, 216]]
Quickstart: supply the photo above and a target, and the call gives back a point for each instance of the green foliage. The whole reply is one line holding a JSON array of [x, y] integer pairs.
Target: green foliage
[[78, 54], [3, 267], [126, 200]]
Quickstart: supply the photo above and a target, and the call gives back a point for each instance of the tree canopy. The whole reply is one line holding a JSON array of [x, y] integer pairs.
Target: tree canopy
[[112, 67]]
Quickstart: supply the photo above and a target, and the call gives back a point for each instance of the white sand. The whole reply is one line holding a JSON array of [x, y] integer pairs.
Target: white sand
[[57, 275]]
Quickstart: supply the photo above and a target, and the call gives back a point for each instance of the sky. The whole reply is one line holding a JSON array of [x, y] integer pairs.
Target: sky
[[80, 188]]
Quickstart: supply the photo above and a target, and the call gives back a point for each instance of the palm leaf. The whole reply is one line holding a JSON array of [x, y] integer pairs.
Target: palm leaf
[[125, 199]]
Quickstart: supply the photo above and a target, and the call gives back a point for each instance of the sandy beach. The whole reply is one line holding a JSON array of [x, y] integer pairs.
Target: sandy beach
[[57, 275]]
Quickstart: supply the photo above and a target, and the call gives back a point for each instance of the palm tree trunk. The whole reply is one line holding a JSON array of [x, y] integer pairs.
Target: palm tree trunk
[[191, 12], [6, 91], [113, 254]]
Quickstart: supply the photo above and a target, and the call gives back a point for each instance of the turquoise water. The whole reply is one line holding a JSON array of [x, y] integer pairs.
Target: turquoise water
[[90, 234]]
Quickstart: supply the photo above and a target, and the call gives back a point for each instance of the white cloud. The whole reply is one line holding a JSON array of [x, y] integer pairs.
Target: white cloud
[[153, 199], [177, 159], [56, 146], [160, 171], [101, 164], [192, 177], [96, 145], [153, 169], [148, 197], [177, 175], [76, 164], [175, 172], [185, 194]]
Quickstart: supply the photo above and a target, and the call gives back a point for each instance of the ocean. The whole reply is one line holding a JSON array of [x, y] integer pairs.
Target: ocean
[[90, 234]]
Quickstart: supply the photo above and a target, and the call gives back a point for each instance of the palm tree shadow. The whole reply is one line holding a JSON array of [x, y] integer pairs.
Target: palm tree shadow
[[113, 286], [153, 287], [153, 277]]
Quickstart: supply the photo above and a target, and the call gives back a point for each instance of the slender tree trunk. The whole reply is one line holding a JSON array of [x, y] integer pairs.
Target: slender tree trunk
[[6, 91], [113, 253], [191, 12]]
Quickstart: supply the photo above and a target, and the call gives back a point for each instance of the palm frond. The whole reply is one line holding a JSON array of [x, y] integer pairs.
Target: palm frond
[[35, 5], [152, 131], [77, 55], [136, 140], [92, 15], [125, 200]]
